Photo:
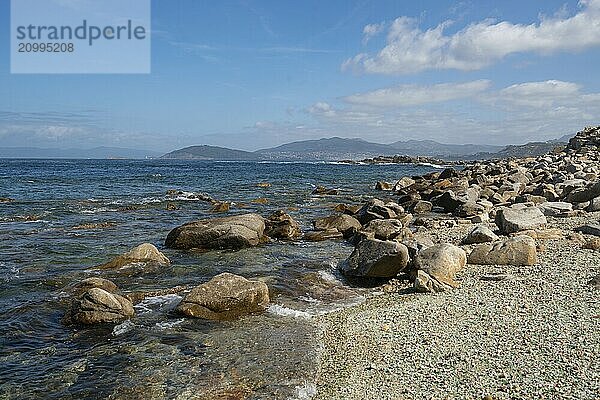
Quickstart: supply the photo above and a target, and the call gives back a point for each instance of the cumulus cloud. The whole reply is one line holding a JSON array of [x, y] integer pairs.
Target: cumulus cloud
[[410, 49], [372, 30], [412, 95]]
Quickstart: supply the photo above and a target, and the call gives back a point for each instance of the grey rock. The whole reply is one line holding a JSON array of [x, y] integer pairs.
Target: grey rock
[[480, 234], [556, 209], [233, 232], [519, 217], [99, 306], [519, 250], [374, 258], [592, 228], [145, 253], [347, 225]]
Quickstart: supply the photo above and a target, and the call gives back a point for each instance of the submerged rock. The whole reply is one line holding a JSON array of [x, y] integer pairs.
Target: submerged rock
[[281, 225], [322, 190], [319, 236], [442, 262], [97, 306], [374, 258], [233, 232], [519, 250], [225, 297], [144, 253]]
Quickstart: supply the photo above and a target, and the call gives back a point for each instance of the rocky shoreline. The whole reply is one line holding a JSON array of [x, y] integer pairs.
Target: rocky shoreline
[[451, 252]]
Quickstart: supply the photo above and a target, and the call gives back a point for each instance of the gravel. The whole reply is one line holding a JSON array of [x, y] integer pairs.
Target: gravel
[[507, 333]]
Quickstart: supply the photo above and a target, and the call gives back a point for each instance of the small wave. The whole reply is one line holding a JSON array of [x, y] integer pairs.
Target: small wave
[[163, 326], [426, 164], [123, 328], [287, 312], [151, 304], [99, 210]]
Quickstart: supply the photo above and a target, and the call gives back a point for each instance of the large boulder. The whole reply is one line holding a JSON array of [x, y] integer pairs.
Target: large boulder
[[519, 250], [97, 306], [374, 258], [94, 282], [385, 229], [480, 234], [519, 217], [225, 297], [556, 209], [347, 225], [584, 194], [145, 253], [281, 225], [233, 232], [441, 262]]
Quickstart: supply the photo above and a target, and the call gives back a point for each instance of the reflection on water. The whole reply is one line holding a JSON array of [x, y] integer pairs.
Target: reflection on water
[[71, 215]]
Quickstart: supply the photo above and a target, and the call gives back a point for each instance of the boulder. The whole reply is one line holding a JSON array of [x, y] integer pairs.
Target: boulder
[[374, 258], [281, 225], [225, 297], [422, 206], [593, 228], [319, 236], [220, 206], [584, 194], [449, 201], [381, 185], [384, 229], [347, 225], [480, 234], [97, 306], [556, 209], [594, 205], [233, 232], [442, 262], [404, 183], [145, 253], [519, 217], [376, 209], [95, 282], [519, 250], [469, 209]]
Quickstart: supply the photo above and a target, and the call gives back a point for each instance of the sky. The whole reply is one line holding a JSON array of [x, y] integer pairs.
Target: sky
[[253, 74]]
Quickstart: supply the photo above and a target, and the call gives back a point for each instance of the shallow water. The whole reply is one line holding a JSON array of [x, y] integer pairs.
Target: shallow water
[[158, 354]]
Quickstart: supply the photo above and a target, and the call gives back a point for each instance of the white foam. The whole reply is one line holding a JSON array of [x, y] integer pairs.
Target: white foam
[[150, 304], [287, 312], [306, 391], [169, 324], [123, 328]]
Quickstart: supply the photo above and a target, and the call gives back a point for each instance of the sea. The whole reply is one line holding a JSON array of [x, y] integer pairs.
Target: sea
[[71, 215]]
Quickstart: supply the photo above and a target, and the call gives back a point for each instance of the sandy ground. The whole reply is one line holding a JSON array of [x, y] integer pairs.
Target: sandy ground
[[507, 333]]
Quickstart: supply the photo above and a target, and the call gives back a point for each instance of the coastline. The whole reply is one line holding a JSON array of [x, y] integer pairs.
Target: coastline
[[507, 332]]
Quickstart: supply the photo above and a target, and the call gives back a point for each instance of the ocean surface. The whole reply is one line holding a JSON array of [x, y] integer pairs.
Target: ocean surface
[[158, 354]]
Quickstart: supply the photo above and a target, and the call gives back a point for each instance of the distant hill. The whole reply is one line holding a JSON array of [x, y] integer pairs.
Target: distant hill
[[205, 152], [334, 148], [432, 148], [95, 153]]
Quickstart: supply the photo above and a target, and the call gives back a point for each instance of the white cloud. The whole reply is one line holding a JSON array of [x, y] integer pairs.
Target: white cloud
[[412, 95], [410, 49], [372, 30]]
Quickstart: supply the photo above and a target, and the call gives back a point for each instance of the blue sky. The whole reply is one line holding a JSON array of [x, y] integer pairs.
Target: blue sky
[[254, 74]]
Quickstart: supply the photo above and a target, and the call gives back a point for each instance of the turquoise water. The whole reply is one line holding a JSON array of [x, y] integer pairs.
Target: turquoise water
[[158, 354]]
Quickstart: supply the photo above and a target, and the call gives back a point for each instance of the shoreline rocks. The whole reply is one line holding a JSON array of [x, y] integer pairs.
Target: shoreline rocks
[[519, 250], [97, 305], [374, 258], [145, 253]]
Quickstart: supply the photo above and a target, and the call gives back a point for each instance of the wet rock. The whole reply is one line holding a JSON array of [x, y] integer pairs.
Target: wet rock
[[519, 217], [442, 262], [480, 234], [592, 228], [374, 258], [234, 232], [343, 223], [556, 209], [94, 225], [323, 191], [95, 282], [281, 225], [145, 253], [220, 206], [260, 200], [519, 250], [319, 236], [225, 297], [381, 185], [99, 306], [263, 185], [171, 207]]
